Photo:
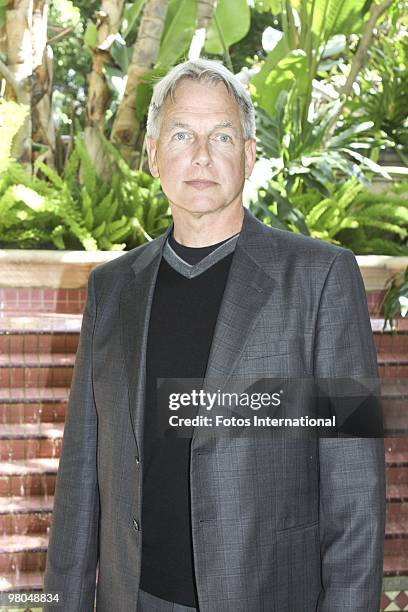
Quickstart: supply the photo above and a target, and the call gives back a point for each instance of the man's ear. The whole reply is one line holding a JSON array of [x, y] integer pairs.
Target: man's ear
[[250, 156], [151, 149]]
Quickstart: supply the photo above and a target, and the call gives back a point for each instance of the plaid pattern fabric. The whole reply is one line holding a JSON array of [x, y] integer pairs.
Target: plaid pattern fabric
[[279, 524]]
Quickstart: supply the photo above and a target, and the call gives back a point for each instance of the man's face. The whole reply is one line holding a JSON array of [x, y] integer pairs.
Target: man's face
[[201, 139]]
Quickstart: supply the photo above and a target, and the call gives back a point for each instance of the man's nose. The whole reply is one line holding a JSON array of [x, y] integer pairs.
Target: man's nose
[[201, 154]]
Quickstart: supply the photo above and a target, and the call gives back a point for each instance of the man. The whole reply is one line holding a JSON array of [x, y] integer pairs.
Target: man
[[222, 523]]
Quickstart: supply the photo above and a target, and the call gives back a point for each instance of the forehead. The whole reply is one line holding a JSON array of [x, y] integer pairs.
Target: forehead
[[200, 101]]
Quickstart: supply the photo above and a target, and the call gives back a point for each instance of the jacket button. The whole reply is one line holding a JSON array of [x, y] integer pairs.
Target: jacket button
[[136, 525], [137, 460]]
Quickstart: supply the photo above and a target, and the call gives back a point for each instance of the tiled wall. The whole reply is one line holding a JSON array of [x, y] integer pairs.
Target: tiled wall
[[33, 299], [23, 299], [395, 595]]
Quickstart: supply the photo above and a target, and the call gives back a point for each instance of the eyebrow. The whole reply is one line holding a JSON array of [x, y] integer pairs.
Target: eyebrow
[[222, 124]]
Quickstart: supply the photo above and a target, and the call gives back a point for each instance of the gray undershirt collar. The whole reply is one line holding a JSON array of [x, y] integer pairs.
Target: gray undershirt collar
[[192, 270]]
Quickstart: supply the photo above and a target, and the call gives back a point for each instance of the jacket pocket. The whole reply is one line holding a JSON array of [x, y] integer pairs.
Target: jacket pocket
[[299, 567], [271, 348], [296, 528]]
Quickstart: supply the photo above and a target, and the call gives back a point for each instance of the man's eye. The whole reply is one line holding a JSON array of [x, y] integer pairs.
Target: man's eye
[[225, 138], [177, 134]]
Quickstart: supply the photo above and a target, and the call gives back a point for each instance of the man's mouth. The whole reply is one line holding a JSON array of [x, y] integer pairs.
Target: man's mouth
[[201, 184]]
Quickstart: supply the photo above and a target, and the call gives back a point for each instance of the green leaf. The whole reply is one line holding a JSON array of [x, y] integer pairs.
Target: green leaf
[[275, 6], [51, 174], [337, 16], [178, 31], [347, 222], [389, 211], [121, 54], [58, 241], [106, 209], [369, 163], [290, 71], [317, 211], [117, 85], [130, 17], [145, 89], [89, 175], [71, 169], [30, 197], [384, 225], [98, 231], [87, 209], [89, 244], [351, 131], [234, 20], [334, 46], [119, 229], [91, 35], [271, 62], [114, 225], [57, 236], [104, 244]]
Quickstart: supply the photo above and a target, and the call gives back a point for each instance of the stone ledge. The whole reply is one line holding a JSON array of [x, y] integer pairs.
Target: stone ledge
[[51, 269], [70, 269], [376, 270]]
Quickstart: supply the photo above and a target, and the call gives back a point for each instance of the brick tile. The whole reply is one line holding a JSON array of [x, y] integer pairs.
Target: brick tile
[[402, 600], [29, 523]]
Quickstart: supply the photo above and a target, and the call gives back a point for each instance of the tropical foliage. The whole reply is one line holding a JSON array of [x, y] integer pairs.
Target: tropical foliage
[[61, 212], [328, 78], [395, 300]]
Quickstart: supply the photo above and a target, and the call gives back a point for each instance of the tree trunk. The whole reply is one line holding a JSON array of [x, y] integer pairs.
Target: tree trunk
[[360, 56], [126, 127], [28, 76], [205, 12], [43, 129], [359, 59], [108, 23], [3, 42], [18, 24]]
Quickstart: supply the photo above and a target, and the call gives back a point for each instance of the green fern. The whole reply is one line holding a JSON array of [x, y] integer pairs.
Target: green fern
[[351, 216], [79, 210], [88, 174]]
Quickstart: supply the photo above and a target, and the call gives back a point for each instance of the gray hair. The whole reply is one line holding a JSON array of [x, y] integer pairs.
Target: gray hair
[[197, 70]]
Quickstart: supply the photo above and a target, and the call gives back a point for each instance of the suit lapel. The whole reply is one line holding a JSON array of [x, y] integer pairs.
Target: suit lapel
[[135, 305], [247, 290]]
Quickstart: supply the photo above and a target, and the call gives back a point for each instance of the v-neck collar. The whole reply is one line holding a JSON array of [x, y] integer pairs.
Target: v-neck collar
[[192, 270]]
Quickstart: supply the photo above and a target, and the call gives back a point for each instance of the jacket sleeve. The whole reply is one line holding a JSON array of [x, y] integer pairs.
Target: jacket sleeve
[[73, 541], [352, 469]]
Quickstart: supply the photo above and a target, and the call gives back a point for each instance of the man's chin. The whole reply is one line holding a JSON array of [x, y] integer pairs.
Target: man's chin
[[199, 207]]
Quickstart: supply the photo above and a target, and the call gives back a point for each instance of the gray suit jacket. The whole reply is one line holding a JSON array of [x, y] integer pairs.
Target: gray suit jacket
[[278, 525]]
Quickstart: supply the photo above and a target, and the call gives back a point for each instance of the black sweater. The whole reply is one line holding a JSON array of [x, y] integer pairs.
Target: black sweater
[[182, 322]]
